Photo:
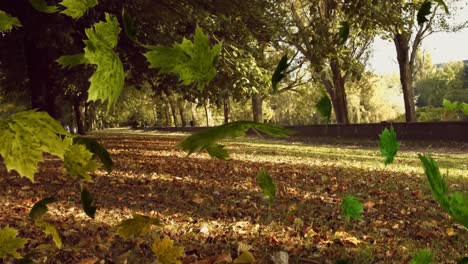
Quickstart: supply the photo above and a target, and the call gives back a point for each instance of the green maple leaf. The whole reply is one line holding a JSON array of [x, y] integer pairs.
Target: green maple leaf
[[424, 256], [108, 79], [267, 185], [9, 243], [455, 204], [86, 202], [352, 207], [25, 136], [208, 138], [79, 162], [324, 107], [49, 229], [40, 208], [42, 6], [193, 62], [98, 151], [70, 61], [7, 22], [137, 226], [389, 145], [77, 8], [279, 73], [166, 252]]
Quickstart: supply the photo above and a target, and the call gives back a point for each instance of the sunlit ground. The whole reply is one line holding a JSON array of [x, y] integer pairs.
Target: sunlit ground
[[209, 206]]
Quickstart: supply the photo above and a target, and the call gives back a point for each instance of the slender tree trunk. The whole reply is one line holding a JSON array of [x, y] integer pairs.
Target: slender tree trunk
[[227, 109], [208, 113], [79, 116], [406, 74], [181, 105], [193, 110], [174, 108], [257, 108], [167, 116]]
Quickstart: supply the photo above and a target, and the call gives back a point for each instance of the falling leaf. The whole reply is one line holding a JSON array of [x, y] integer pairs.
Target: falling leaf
[[279, 73], [352, 207], [50, 229], [389, 145], [424, 256], [42, 6], [77, 8], [324, 107], [8, 22], [9, 243], [344, 32], [98, 151], [70, 61], [86, 202], [79, 162], [129, 26], [166, 252], [244, 258], [40, 208], [267, 185], [137, 226]]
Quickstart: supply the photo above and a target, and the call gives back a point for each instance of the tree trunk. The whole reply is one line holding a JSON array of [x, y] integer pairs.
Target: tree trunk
[[227, 109], [208, 113], [406, 74], [167, 116], [341, 104], [257, 109], [193, 110], [183, 120], [79, 116]]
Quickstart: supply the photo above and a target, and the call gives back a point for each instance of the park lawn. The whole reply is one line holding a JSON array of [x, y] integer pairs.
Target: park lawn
[[210, 206]]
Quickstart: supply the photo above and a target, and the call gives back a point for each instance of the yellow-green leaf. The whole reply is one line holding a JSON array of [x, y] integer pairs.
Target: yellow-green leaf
[[49, 229], [79, 162], [40, 208], [77, 8], [9, 243], [245, 258], [166, 252], [137, 226], [7, 22]]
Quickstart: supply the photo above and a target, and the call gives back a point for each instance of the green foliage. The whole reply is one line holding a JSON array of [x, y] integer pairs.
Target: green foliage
[[9, 243], [324, 107], [194, 62], [166, 252], [389, 145], [40, 208], [207, 139], [7, 22], [108, 80], [129, 26], [424, 256], [455, 204], [70, 61], [49, 229], [98, 151], [352, 207], [79, 162], [267, 185], [455, 106], [25, 136], [279, 73], [425, 10], [137, 226], [77, 8], [42, 6], [344, 32], [463, 260], [86, 202], [218, 151]]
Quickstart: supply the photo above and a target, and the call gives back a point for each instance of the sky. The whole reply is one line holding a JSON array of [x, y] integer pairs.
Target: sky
[[443, 47]]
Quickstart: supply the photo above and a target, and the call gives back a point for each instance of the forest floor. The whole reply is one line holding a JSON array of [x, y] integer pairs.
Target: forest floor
[[210, 206]]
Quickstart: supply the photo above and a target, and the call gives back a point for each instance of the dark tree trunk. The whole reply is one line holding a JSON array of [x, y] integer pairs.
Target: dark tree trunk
[[183, 120], [227, 109], [257, 109], [167, 116], [193, 110], [79, 116], [406, 74]]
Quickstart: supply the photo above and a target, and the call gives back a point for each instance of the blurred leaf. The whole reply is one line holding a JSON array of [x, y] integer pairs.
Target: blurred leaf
[[463, 260], [424, 256], [245, 258], [9, 243], [25, 136], [455, 204], [166, 252], [42, 6], [77, 8], [279, 73], [98, 151], [86, 202], [49, 229], [129, 26], [208, 138], [217, 151], [352, 207], [193, 62], [424, 11], [389, 145], [137, 226], [40, 208], [444, 5], [79, 162], [7, 22], [324, 107], [344, 32], [267, 185], [70, 61]]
